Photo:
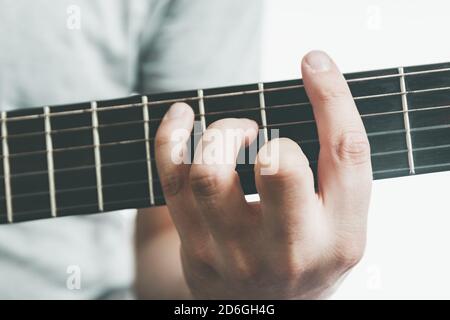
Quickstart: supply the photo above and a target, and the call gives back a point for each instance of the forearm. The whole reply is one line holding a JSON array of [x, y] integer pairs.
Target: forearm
[[159, 273]]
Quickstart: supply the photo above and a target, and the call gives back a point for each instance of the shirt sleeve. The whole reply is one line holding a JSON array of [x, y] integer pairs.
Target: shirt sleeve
[[194, 44]]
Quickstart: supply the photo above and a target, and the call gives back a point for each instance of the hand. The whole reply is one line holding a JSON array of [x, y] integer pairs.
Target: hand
[[295, 243]]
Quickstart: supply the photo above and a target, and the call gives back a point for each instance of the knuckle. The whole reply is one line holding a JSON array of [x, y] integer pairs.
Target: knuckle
[[289, 270], [286, 173], [172, 183], [242, 268], [244, 272], [201, 263], [205, 183], [282, 160], [200, 254], [162, 139], [353, 148], [290, 264], [350, 254], [327, 95]]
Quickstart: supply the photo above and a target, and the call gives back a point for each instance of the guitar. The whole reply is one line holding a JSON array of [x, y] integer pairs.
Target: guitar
[[99, 156]]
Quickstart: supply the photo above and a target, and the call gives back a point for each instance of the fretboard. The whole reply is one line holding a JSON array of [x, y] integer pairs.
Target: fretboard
[[99, 156]]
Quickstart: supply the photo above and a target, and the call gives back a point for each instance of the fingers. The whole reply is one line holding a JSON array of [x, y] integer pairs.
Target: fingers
[[213, 178], [345, 172], [288, 188], [170, 144]]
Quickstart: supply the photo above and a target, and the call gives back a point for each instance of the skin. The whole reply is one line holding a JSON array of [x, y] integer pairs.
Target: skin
[[295, 243]]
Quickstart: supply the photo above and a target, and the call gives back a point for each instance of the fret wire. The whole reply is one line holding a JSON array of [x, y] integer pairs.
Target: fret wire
[[406, 121], [147, 149], [50, 165], [373, 155], [6, 169], [168, 101], [97, 156], [201, 109], [162, 197], [246, 110], [262, 105]]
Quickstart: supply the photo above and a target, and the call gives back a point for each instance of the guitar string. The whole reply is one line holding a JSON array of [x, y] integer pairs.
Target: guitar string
[[275, 125], [157, 197], [229, 111], [21, 214], [213, 96], [58, 191]]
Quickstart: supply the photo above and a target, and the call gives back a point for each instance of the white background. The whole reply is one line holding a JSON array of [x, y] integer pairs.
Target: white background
[[408, 252]]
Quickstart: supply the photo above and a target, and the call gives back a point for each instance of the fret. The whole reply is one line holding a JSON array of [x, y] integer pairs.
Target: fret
[[265, 134], [382, 145], [289, 105], [74, 169], [6, 169], [125, 170], [376, 85], [406, 121], [292, 105], [28, 173], [425, 81], [237, 106], [147, 149], [380, 104], [3, 211], [285, 92], [427, 157], [390, 166], [156, 113], [50, 165], [262, 105], [98, 162], [201, 108]]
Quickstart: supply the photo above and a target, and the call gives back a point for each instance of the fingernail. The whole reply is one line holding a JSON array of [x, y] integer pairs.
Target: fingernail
[[318, 61], [176, 111]]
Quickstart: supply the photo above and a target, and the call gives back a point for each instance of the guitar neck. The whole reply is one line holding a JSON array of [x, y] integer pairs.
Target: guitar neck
[[99, 156]]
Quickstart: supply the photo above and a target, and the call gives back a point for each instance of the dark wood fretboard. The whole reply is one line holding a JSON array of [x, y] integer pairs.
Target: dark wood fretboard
[[99, 156]]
